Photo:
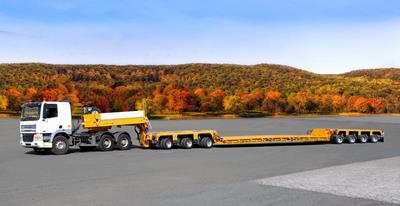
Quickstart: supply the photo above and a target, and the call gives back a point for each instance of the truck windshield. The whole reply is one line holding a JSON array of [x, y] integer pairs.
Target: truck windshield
[[30, 112]]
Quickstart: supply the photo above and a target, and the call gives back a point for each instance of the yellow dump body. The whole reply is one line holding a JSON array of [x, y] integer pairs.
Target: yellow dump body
[[106, 120]]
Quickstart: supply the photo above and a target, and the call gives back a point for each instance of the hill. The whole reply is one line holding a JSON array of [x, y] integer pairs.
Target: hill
[[201, 87], [389, 73]]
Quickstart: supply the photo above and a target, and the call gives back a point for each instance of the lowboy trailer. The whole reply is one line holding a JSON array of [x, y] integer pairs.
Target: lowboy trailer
[[48, 126]]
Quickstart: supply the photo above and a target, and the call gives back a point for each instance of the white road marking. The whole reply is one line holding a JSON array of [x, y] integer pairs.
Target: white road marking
[[376, 180]]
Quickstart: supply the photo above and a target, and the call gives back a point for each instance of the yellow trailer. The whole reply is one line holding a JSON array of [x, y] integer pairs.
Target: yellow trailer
[[208, 138]]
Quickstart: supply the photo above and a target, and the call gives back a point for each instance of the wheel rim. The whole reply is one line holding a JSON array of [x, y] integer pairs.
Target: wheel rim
[[363, 139], [189, 143], [124, 142], [107, 143], [208, 143], [168, 144], [60, 145]]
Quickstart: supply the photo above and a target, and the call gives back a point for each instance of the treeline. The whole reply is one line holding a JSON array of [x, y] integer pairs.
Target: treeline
[[200, 88]]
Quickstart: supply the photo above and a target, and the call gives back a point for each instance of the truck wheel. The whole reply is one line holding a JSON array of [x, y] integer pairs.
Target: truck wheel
[[363, 138], [206, 142], [106, 143], [351, 139], [41, 151], [186, 143], [124, 142], [60, 145], [374, 138], [338, 139], [165, 143]]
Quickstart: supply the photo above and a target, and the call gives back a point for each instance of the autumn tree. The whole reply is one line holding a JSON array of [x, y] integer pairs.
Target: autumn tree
[[233, 104], [3, 102], [102, 103], [179, 100], [361, 105], [302, 102], [202, 99], [252, 101], [375, 105], [272, 101], [30, 93], [15, 99], [217, 98], [159, 101], [331, 103]]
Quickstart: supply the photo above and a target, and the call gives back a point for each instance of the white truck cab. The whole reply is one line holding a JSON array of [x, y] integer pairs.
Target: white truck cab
[[47, 126], [42, 121]]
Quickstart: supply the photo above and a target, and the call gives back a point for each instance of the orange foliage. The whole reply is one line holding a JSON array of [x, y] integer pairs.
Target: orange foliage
[[30, 93], [179, 100], [273, 96], [12, 92]]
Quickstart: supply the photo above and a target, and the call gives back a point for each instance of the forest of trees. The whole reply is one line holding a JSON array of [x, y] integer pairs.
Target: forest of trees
[[201, 88]]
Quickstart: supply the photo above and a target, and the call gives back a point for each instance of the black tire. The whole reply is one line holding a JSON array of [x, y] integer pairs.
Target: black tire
[[363, 138], [351, 139], [206, 142], [374, 138], [60, 145], [338, 139], [106, 143], [124, 142], [165, 143], [41, 151], [186, 143]]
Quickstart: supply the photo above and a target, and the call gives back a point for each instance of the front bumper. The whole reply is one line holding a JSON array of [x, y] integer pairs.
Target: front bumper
[[36, 144]]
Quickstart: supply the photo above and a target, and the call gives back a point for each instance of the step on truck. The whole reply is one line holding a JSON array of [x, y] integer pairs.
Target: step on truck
[[48, 126]]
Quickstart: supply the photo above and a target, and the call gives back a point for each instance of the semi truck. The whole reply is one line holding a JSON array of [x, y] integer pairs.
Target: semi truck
[[49, 126]]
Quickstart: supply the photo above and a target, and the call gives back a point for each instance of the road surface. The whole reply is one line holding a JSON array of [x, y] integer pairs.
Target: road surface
[[252, 175]]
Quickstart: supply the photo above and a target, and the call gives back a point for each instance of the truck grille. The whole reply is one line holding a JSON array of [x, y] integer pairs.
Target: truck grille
[[27, 137], [28, 128]]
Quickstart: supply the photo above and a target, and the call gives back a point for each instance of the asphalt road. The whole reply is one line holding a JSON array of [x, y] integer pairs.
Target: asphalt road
[[218, 176]]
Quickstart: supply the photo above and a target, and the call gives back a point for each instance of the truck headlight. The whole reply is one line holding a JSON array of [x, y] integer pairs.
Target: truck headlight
[[37, 137]]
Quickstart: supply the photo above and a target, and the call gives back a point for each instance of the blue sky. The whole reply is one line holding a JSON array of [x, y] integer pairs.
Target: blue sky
[[319, 36]]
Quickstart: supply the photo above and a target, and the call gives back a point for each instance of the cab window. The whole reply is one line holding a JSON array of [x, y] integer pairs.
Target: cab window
[[50, 111]]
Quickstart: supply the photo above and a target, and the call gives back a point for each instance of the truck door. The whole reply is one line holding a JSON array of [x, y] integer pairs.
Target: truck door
[[51, 118]]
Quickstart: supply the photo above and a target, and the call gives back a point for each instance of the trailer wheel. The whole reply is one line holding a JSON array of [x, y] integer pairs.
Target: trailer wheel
[[106, 143], [206, 142], [351, 139], [41, 151], [165, 143], [374, 138], [186, 143], [363, 138], [124, 142], [338, 139], [60, 145]]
